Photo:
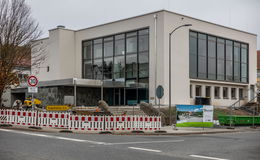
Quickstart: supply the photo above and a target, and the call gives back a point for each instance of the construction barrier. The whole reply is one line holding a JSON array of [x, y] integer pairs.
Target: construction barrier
[[80, 122], [132, 123], [53, 119], [17, 117]]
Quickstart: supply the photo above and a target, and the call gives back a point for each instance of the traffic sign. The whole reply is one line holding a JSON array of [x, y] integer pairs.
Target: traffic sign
[[58, 108], [32, 89], [159, 91], [32, 81]]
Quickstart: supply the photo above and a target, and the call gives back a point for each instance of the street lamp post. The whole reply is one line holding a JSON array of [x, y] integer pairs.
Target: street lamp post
[[170, 34]]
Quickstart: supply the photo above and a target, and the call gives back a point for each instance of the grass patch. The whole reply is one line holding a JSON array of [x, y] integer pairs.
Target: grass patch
[[195, 124]]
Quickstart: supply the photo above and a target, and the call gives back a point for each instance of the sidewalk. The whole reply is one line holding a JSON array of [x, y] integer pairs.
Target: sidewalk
[[167, 130]]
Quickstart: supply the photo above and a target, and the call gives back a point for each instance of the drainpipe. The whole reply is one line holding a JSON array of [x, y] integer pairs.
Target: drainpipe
[[155, 51], [75, 91]]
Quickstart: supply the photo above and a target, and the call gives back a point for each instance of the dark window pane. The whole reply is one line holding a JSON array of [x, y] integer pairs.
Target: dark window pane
[[143, 65], [236, 71], [202, 52], [87, 50], [120, 44], [193, 55], [244, 72], [236, 52], [143, 32], [202, 67], [97, 69], [229, 58], [220, 59], [243, 55], [88, 70], [131, 66], [212, 68], [220, 68], [143, 43], [211, 57], [119, 68], [108, 64], [131, 43], [98, 48], [108, 47]]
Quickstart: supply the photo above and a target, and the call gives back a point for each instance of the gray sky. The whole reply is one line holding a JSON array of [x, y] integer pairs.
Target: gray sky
[[77, 14]]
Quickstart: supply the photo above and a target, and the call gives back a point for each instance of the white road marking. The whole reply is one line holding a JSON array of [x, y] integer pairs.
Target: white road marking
[[205, 157], [54, 137], [83, 140], [143, 142], [145, 149]]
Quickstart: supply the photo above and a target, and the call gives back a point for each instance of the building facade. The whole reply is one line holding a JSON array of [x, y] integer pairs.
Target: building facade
[[123, 62]]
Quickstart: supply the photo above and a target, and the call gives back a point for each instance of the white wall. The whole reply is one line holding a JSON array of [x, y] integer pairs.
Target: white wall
[[59, 54]]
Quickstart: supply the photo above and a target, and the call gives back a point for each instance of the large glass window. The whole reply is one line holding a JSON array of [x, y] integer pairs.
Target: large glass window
[[131, 66], [87, 59], [108, 57], [123, 58], [237, 62], [217, 58], [119, 59], [193, 54], [131, 42], [212, 57], [108, 47], [221, 59], [202, 56], [107, 67], [244, 62], [87, 50], [143, 60], [229, 60], [98, 48], [97, 69], [119, 45]]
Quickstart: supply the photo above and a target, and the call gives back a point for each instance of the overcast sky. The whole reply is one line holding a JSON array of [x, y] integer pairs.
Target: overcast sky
[[77, 14]]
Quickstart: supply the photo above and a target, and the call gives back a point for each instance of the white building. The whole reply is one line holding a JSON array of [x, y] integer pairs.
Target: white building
[[131, 57]]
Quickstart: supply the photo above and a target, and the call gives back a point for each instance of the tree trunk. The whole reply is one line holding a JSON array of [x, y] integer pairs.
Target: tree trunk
[[1, 94]]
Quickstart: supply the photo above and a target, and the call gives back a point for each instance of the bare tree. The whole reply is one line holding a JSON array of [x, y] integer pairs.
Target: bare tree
[[17, 31]]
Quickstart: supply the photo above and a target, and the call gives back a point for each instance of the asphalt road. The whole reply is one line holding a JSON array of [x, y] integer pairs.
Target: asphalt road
[[26, 145]]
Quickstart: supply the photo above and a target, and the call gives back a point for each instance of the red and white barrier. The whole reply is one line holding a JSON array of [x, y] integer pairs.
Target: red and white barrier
[[53, 119], [93, 123], [80, 122], [17, 117], [25, 118], [3, 116]]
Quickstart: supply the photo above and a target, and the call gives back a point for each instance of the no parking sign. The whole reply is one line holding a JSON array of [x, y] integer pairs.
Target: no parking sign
[[32, 83]]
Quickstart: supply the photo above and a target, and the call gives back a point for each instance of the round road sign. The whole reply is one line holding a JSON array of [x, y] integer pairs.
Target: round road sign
[[159, 91], [32, 81]]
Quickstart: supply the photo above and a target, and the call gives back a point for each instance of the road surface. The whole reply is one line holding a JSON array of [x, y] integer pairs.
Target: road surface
[[27, 145]]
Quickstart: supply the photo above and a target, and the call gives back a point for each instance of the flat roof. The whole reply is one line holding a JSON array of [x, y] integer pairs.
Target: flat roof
[[162, 10]]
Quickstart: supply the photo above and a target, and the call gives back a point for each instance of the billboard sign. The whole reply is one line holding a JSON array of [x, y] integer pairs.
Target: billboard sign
[[194, 116]]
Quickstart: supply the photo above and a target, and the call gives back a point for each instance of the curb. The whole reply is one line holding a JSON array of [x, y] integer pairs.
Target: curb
[[65, 131], [6, 125]]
